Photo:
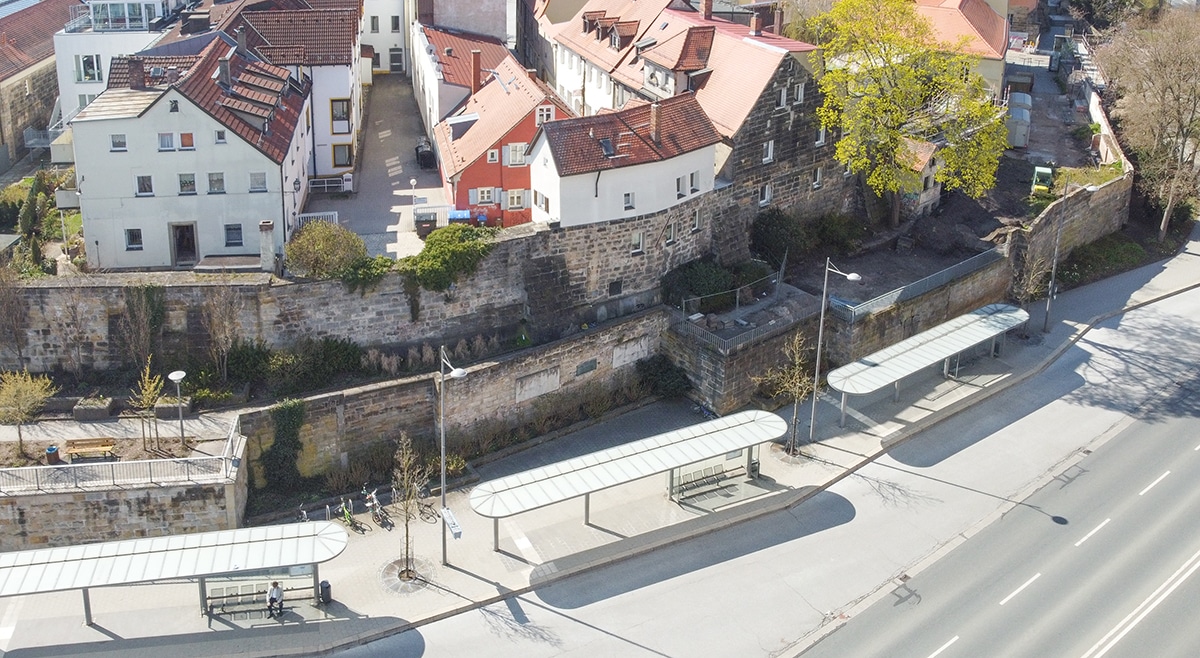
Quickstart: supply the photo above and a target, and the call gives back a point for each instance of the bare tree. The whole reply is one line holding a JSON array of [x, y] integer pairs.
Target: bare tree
[[792, 378], [1154, 67], [22, 396], [72, 323], [409, 477], [143, 398], [219, 312], [1031, 280], [13, 314], [144, 315]]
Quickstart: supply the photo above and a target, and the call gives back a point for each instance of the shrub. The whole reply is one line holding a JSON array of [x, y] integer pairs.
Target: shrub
[[449, 254], [323, 250], [363, 273], [279, 461], [703, 278], [1108, 255], [775, 233], [662, 377], [838, 233], [249, 362]]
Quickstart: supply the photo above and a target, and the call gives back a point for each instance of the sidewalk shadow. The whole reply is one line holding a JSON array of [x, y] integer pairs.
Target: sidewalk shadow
[[823, 511]]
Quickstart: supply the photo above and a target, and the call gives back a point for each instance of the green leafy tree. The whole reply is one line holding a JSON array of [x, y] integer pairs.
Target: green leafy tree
[[1155, 70], [887, 80], [450, 253], [143, 397], [22, 396], [322, 249]]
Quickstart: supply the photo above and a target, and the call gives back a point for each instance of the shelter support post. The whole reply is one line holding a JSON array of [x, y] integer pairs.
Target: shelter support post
[[587, 509], [87, 608], [203, 596], [946, 367], [496, 535], [317, 583], [842, 422], [996, 346], [896, 391]]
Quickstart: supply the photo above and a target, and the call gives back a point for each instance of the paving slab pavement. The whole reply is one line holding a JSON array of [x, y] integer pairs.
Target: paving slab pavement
[[540, 547]]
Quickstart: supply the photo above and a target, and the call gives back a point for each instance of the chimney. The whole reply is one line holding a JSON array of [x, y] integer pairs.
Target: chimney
[[755, 25], [655, 111], [172, 74], [476, 71], [137, 73], [223, 72], [266, 245], [777, 22], [706, 9], [241, 40]]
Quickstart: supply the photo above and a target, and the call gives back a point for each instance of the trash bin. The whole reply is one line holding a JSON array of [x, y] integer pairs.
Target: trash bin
[[326, 594], [52, 456]]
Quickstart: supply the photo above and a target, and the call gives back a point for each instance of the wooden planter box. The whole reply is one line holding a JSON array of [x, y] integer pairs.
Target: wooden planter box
[[167, 408], [91, 409]]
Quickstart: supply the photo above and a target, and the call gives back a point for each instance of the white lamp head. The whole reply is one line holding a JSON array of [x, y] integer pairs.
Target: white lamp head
[[853, 276], [177, 376], [412, 182], [458, 373]]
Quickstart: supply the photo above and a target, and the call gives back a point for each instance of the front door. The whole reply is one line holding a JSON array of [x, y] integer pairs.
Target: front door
[[183, 243], [396, 60]]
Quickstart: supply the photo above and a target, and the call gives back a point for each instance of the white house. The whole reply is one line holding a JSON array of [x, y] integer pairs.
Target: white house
[[442, 73], [385, 32], [640, 161], [187, 158]]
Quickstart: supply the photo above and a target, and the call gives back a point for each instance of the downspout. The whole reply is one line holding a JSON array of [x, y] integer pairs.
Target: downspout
[[596, 194]]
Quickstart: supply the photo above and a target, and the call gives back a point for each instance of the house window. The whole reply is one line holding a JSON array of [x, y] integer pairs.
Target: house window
[[220, 136], [816, 178], [764, 194], [516, 155], [636, 242], [695, 221], [484, 195], [85, 99], [628, 200], [694, 181], [544, 114], [374, 25], [798, 93], [166, 141], [927, 183], [493, 156], [680, 187], [768, 151], [145, 185], [233, 235], [671, 233], [375, 61], [187, 183], [133, 239], [781, 99], [614, 40], [395, 23], [174, 105], [87, 68], [339, 109], [614, 288], [516, 199], [118, 142], [216, 183], [820, 136], [258, 181], [343, 155], [187, 141]]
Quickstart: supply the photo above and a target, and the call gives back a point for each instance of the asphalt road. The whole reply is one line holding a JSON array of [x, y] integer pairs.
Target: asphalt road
[[1100, 562]]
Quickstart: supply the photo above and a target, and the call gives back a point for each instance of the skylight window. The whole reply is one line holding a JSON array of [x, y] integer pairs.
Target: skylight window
[[607, 146]]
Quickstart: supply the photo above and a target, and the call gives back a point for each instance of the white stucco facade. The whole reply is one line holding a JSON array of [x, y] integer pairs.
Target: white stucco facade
[[335, 89], [385, 30], [615, 193], [74, 50], [586, 87], [235, 186], [435, 98]]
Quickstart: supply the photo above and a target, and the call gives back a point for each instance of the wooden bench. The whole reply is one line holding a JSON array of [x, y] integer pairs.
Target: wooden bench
[[90, 447]]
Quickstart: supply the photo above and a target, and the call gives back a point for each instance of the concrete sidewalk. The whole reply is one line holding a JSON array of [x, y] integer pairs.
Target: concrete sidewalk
[[540, 547]]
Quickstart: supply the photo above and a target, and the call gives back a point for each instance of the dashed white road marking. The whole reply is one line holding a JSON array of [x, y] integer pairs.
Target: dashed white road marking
[[1018, 590], [1094, 531], [944, 646], [1151, 485]]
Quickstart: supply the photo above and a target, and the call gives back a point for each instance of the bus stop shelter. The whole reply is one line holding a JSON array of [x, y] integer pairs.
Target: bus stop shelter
[[911, 355], [198, 555], [670, 452]]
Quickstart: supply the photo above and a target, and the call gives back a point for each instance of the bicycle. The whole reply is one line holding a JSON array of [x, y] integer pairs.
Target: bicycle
[[424, 510], [704, 411], [378, 513], [302, 516], [348, 518]]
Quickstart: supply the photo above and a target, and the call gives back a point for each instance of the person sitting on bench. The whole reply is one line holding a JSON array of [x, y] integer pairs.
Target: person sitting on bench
[[274, 600]]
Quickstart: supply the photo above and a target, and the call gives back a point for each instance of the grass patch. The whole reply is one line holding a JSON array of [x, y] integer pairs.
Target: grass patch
[[1109, 255]]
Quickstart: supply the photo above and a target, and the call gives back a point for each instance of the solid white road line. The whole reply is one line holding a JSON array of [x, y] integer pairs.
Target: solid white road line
[[944, 646], [1018, 590], [1151, 485], [1151, 602], [1094, 531]]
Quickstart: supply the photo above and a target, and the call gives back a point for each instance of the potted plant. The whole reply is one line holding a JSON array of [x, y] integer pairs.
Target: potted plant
[[168, 406], [93, 408]]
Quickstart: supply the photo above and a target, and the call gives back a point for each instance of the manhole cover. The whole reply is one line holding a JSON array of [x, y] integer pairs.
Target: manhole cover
[[397, 579]]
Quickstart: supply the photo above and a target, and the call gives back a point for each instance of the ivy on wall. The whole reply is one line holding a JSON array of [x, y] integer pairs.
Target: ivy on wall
[[449, 253], [279, 461]]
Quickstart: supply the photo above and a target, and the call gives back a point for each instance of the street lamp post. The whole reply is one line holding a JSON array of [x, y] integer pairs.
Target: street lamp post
[[177, 377], [455, 373], [412, 182], [1062, 217], [850, 276]]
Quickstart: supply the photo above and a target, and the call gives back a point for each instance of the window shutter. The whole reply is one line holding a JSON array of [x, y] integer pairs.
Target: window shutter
[[472, 196], [504, 155], [502, 198]]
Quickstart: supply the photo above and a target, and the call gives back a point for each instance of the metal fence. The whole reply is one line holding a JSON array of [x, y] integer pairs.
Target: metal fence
[[111, 474], [853, 313], [680, 324], [749, 294]]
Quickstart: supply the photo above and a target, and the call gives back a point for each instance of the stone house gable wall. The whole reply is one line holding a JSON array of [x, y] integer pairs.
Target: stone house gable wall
[[26, 101]]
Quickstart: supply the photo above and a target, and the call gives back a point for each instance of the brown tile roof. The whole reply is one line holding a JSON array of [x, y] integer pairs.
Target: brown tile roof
[[456, 67], [325, 36], [27, 36], [986, 31], [510, 95], [118, 70], [579, 144], [687, 50], [635, 18], [916, 154]]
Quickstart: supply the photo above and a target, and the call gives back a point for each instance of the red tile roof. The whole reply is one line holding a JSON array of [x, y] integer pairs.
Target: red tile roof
[[456, 66], [579, 145], [118, 70], [508, 98], [312, 37], [986, 31], [27, 36], [688, 50]]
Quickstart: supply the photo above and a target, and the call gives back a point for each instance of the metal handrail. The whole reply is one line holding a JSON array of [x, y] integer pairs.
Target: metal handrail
[[854, 312]]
